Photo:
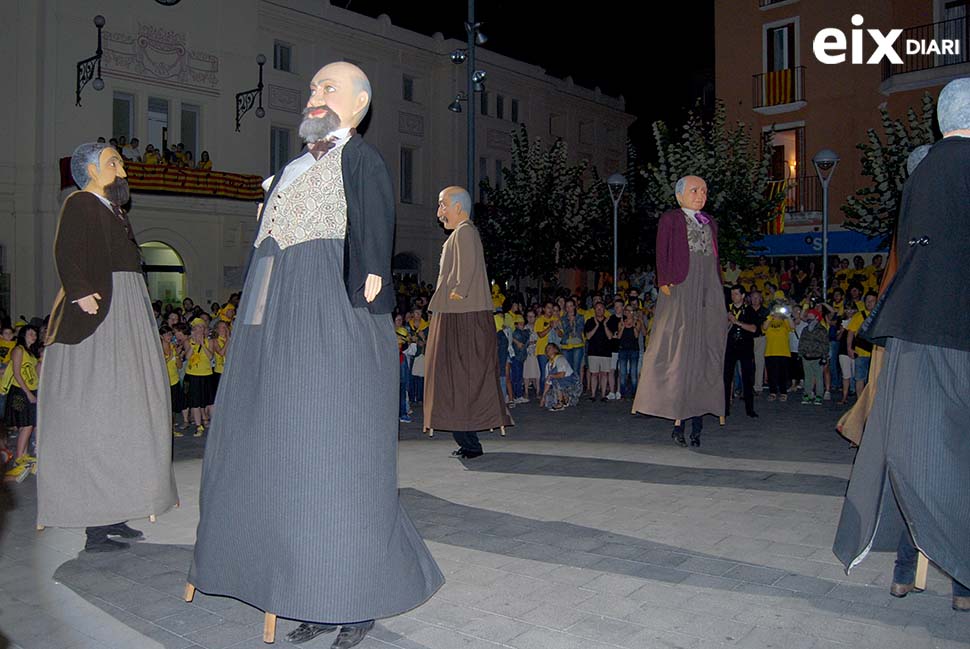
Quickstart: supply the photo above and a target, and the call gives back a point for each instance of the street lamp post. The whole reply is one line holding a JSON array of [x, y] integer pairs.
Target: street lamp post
[[476, 81], [616, 182], [825, 162]]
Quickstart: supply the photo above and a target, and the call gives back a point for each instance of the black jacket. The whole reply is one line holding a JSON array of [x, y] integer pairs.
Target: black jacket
[[369, 242], [91, 243], [927, 300]]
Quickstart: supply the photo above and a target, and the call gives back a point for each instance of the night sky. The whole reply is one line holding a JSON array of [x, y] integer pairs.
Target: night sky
[[648, 60]]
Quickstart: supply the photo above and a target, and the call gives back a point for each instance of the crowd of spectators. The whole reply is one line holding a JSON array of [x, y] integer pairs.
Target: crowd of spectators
[[177, 156], [803, 341], [554, 351], [194, 343]]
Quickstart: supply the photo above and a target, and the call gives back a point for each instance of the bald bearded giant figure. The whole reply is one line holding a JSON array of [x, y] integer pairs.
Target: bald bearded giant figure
[[299, 509]]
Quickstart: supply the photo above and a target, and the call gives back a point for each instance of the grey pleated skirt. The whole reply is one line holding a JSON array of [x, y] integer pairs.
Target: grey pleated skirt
[[104, 434], [299, 509]]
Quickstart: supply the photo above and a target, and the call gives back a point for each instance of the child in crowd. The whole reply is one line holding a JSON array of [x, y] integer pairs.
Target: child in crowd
[[20, 382], [813, 348], [520, 353], [530, 370], [198, 353], [174, 359]]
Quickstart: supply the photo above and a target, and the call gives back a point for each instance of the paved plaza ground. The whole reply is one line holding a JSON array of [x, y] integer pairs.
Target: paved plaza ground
[[585, 529]]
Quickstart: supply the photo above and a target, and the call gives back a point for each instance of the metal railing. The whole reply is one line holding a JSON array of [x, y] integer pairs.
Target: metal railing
[[768, 3], [804, 195], [778, 88], [954, 30]]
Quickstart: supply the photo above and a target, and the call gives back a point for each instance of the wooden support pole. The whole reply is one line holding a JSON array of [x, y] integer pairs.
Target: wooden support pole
[[922, 566], [151, 519], [189, 592], [40, 528], [269, 628], [502, 430], [722, 420]]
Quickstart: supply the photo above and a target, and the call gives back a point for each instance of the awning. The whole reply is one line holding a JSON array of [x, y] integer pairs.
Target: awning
[[808, 244]]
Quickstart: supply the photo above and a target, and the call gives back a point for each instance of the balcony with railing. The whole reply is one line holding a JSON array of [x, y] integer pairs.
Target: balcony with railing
[[941, 55], [803, 199], [780, 91]]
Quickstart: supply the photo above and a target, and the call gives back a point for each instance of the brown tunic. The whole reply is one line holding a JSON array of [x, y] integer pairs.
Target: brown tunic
[[461, 382]]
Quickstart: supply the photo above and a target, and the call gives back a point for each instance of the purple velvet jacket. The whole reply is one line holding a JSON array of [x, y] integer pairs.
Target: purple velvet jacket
[[673, 255]]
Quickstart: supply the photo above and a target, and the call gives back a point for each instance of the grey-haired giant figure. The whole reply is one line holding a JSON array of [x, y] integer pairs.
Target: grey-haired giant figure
[[681, 374], [105, 425], [299, 508], [910, 486], [461, 382]]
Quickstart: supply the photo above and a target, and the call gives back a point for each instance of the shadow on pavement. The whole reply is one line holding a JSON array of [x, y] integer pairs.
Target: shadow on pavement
[[586, 467]]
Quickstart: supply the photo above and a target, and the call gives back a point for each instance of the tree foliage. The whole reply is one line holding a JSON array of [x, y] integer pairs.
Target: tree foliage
[[537, 221], [736, 166], [874, 209]]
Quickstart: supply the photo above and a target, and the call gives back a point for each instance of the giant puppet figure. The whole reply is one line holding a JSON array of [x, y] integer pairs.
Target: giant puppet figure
[[461, 382], [105, 423], [682, 369], [299, 508], [910, 486]]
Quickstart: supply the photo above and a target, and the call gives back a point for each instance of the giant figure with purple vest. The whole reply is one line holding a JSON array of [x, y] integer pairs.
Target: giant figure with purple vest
[[681, 377]]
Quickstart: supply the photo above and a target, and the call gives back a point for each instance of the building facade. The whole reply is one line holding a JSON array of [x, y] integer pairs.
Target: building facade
[[171, 75], [769, 77]]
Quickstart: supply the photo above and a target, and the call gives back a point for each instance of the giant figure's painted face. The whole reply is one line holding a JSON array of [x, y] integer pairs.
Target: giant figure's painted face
[[449, 210], [695, 193], [109, 177], [336, 100]]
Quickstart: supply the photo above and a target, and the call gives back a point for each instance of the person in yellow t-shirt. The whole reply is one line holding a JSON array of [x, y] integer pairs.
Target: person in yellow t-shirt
[[199, 356], [514, 313], [746, 279], [777, 352], [842, 274], [20, 380], [8, 340], [220, 347], [859, 348], [874, 273], [205, 164], [761, 273], [152, 157], [498, 300], [544, 324], [174, 359]]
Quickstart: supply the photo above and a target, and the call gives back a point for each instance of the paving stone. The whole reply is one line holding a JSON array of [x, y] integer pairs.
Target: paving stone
[[188, 620], [495, 628], [605, 629], [225, 634], [755, 574], [553, 616]]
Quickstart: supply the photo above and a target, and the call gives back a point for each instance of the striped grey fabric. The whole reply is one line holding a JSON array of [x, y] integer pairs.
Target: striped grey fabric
[[104, 434], [299, 509], [914, 461]]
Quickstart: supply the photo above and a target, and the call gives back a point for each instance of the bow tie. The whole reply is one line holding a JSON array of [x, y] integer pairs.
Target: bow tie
[[702, 218], [320, 148]]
